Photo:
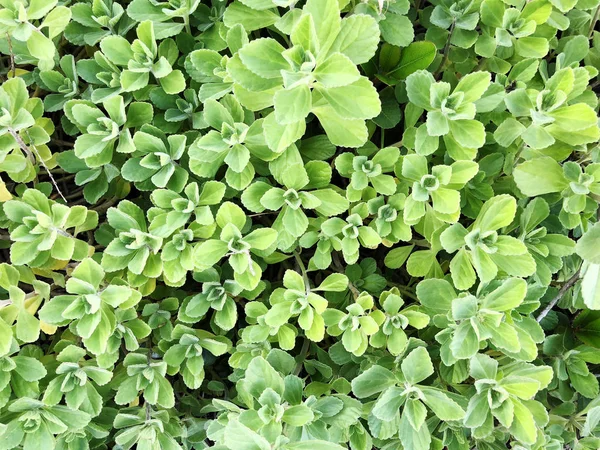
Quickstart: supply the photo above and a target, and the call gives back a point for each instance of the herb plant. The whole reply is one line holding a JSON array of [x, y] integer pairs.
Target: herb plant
[[299, 225]]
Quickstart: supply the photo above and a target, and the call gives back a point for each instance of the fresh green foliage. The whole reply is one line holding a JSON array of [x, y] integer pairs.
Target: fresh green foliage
[[299, 225]]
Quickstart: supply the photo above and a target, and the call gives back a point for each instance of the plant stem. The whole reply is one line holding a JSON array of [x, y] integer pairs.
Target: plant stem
[[446, 50], [104, 206], [518, 154], [12, 55], [593, 22], [31, 144], [303, 271], [186, 21], [302, 356], [563, 290], [340, 268]]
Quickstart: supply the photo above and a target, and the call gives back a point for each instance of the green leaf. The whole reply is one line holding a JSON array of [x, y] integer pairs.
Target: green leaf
[[336, 282], [442, 405], [397, 30], [336, 70], [468, 133], [292, 105], [264, 58], [241, 437], [358, 38], [358, 100], [417, 56], [340, 131], [540, 176], [372, 381], [417, 366], [418, 85]]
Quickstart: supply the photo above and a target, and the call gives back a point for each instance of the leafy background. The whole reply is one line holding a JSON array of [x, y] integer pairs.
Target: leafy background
[[269, 224]]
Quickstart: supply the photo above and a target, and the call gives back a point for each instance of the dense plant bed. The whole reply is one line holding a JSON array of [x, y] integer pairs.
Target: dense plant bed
[[313, 225]]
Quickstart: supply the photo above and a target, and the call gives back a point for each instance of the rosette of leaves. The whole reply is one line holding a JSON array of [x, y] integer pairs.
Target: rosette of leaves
[[450, 113], [470, 322], [404, 399], [353, 234], [24, 133], [365, 276], [259, 333], [185, 355], [133, 247], [355, 326], [216, 295], [146, 428], [244, 353], [481, 251], [434, 192], [393, 320], [578, 186], [162, 14], [209, 68], [476, 191], [177, 257], [547, 249], [234, 138], [102, 133], [154, 163], [323, 244], [317, 74], [297, 299], [35, 23], [237, 244], [184, 110], [512, 30], [142, 58], [39, 230], [64, 86], [93, 21], [553, 113], [102, 75], [158, 316], [369, 167], [76, 379], [293, 198], [174, 210], [143, 373], [460, 18], [129, 331], [276, 405], [20, 374], [97, 182], [506, 396], [29, 422], [388, 218], [570, 365], [90, 308], [17, 310]]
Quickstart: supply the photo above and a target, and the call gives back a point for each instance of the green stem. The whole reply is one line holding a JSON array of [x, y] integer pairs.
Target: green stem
[[337, 265], [593, 22], [446, 50], [303, 271], [302, 356], [403, 290], [518, 154], [186, 22]]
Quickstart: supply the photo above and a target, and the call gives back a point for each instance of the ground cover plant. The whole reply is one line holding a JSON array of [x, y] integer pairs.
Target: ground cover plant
[[299, 225]]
